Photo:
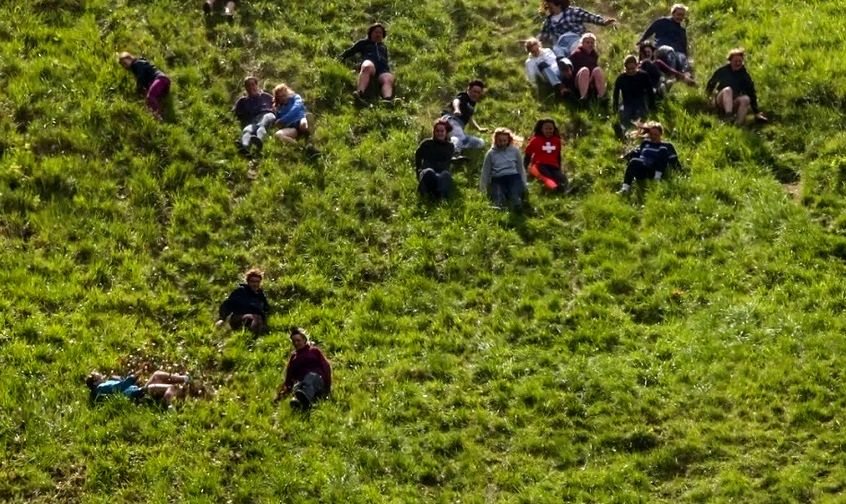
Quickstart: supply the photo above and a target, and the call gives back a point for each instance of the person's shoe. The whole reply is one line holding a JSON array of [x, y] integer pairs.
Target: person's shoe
[[624, 191], [359, 97], [244, 151], [256, 142], [300, 396], [207, 8], [458, 158], [296, 404]]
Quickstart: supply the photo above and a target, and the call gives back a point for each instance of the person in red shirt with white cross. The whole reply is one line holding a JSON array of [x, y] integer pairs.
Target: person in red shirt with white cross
[[542, 157]]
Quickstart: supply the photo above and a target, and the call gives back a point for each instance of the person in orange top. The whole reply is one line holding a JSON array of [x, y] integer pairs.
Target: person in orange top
[[542, 157]]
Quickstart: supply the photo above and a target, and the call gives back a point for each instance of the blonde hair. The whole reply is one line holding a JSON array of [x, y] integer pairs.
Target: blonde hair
[[281, 87], [125, 55], [531, 42], [586, 36], [737, 51], [512, 139], [253, 272], [678, 6]]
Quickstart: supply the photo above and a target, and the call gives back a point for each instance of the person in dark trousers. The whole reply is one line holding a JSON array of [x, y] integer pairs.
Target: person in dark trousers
[[635, 87], [374, 62], [432, 160], [651, 159], [246, 306], [254, 111], [542, 157], [459, 112], [735, 91], [149, 81], [670, 38], [308, 374]]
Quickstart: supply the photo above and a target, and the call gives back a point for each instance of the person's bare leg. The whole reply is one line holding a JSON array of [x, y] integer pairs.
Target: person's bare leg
[[368, 70], [304, 127], [288, 135], [598, 80], [725, 99], [165, 378], [583, 82], [741, 105], [387, 82]]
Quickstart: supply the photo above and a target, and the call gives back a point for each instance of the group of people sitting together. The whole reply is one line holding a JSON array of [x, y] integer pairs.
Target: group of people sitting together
[[308, 374]]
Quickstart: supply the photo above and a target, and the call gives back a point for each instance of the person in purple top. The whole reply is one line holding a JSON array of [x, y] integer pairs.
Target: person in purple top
[[589, 76], [162, 386], [308, 374], [564, 25], [374, 55], [149, 81], [254, 111], [670, 38]]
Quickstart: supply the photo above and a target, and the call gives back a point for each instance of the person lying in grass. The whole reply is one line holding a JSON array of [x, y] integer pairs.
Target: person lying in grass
[[565, 24], [638, 96], [162, 386], [651, 159], [254, 111], [308, 374], [503, 177], [246, 306], [670, 38], [291, 114], [542, 66], [589, 75], [542, 156], [459, 112], [735, 91], [432, 162], [660, 74], [374, 63], [149, 81]]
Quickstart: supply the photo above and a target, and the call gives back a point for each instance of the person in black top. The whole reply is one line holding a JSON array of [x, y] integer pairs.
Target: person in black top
[[650, 159], [149, 81], [254, 111], [638, 95], [459, 112], [670, 38], [431, 160], [374, 55], [735, 89], [246, 306], [228, 8]]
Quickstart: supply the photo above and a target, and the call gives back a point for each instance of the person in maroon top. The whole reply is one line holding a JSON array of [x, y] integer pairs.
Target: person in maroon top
[[585, 61], [308, 374]]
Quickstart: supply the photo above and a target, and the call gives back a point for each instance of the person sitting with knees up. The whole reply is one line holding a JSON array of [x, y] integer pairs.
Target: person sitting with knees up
[[291, 114], [432, 160], [149, 81], [246, 306], [503, 177], [162, 386], [589, 76], [374, 63], [459, 112], [542, 157], [308, 374], [638, 96], [542, 65], [651, 159], [565, 24], [735, 89], [254, 111]]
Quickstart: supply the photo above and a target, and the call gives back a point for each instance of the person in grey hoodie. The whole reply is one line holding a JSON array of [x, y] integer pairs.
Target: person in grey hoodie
[[503, 176]]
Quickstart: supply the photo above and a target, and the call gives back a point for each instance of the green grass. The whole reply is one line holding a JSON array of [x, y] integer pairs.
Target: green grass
[[684, 346]]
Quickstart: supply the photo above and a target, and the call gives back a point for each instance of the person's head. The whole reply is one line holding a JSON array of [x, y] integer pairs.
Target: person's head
[[441, 129], [554, 6], [565, 66], [546, 127], [654, 130], [588, 42], [376, 32], [281, 93], [251, 86], [533, 46], [502, 138], [630, 64], [126, 59], [736, 57], [93, 379], [253, 279], [299, 338], [678, 12], [476, 89], [646, 50]]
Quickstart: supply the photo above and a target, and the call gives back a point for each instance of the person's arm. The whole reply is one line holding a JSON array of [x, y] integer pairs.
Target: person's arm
[[545, 34], [326, 369], [673, 159], [285, 388], [531, 72], [560, 148], [226, 308], [476, 125], [456, 107], [418, 158], [712, 82], [291, 110], [353, 49], [646, 84], [527, 159], [583, 16], [485, 177], [520, 169], [750, 90], [650, 31]]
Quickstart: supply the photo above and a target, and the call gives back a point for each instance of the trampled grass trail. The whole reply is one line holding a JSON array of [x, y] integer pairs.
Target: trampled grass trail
[[682, 346]]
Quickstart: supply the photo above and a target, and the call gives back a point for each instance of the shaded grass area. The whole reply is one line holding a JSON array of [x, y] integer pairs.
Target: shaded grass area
[[682, 346]]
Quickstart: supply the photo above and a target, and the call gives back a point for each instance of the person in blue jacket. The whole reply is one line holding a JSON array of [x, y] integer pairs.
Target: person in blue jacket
[[650, 159], [162, 386], [374, 56], [291, 114]]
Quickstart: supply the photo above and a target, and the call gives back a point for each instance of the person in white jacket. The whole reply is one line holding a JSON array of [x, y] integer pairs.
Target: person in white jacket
[[503, 176], [542, 64]]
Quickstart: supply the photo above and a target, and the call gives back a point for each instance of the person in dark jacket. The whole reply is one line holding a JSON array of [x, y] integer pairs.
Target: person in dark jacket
[[735, 91], [432, 160], [459, 112], [650, 159], [661, 75], [670, 38], [246, 306], [589, 75], [254, 111], [308, 374], [374, 55], [636, 89], [149, 81]]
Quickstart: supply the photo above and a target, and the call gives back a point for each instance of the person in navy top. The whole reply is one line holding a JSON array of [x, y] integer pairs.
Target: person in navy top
[[670, 38], [308, 374], [246, 306], [254, 111], [650, 159], [149, 81], [374, 55]]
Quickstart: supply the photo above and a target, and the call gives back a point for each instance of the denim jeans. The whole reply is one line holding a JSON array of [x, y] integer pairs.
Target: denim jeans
[[565, 44], [507, 189], [308, 389], [258, 128], [460, 139]]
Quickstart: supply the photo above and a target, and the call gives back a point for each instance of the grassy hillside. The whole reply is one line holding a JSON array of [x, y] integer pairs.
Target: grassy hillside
[[683, 346]]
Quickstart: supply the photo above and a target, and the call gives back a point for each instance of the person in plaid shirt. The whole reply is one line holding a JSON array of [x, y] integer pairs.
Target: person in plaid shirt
[[565, 24]]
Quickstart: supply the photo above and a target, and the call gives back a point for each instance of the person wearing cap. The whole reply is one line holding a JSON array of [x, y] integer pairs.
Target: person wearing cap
[[163, 386], [254, 111], [735, 91], [308, 374], [246, 306], [149, 81], [670, 38], [651, 159], [564, 25], [374, 54]]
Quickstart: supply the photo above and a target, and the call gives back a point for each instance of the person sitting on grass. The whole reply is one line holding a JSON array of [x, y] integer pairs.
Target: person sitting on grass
[[291, 114], [459, 112], [651, 159], [542, 157], [670, 38], [308, 374], [661, 75], [432, 159], [542, 66], [503, 177], [149, 81], [565, 24], [374, 63], [228, 8], [735, 89], [589, 76], [246, 306], [254, 111], [162, 386], [638, 96]]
